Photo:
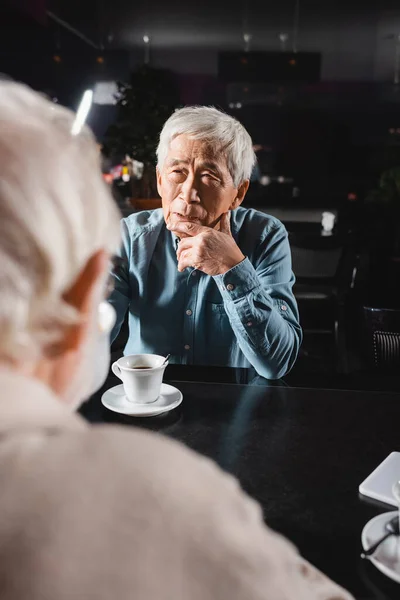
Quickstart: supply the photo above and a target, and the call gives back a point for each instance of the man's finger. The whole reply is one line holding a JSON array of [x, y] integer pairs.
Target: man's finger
[[225, 223], [186, 227], [185, 261], [185, 244]]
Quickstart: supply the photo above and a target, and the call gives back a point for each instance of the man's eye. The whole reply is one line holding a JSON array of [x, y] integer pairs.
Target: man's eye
[[177, 174], [207, 175]]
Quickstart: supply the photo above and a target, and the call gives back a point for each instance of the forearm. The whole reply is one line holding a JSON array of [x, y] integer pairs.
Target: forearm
[[271, 346], [266, 327]]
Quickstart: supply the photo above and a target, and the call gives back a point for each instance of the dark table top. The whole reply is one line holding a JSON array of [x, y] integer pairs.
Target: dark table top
[[302, 453]]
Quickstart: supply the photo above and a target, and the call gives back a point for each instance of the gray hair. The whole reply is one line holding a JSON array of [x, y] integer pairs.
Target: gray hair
[[218, 129], [55, 213]]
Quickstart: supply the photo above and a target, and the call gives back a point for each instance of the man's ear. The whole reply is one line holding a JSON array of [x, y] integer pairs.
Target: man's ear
[[241, 193], [158, 175], [81, 296]]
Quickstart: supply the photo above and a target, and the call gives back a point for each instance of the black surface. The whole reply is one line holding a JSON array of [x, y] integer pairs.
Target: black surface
[[302, 453]]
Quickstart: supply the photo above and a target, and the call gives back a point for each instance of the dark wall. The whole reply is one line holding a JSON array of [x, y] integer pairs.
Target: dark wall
[[54, 61], [356, 39]]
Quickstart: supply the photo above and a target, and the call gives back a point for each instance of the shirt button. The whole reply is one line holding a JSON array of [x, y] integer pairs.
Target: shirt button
[[187, 347], [249, 324], [230, 287], [194, 273], [283, 307], [189, 313]]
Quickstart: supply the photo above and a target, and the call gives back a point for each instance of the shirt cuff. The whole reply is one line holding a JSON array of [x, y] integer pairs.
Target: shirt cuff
[[238, 281]]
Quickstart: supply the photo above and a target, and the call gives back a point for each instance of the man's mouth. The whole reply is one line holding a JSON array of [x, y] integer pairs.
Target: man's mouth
[[181, 217]]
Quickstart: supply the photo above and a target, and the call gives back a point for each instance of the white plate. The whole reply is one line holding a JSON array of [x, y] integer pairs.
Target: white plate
[[114, 399], [387, 556]]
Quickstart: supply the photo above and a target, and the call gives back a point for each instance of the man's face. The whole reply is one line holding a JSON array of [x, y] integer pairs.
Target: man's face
[[195, 183]]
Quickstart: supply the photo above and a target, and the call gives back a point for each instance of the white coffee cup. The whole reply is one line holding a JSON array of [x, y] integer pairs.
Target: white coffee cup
[[142, 376]]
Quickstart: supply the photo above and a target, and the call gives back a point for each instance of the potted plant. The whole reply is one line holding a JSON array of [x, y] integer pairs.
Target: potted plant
[[143, 105]]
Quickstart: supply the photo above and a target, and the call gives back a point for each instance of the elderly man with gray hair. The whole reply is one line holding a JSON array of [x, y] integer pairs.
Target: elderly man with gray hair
[[98, 512], [204, 280]]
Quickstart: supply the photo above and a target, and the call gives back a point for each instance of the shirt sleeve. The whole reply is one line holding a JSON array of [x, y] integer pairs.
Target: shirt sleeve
[[261, 307], [121, 294]]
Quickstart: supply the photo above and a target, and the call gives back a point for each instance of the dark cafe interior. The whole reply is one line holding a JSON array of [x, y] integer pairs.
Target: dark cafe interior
[[290, 384]]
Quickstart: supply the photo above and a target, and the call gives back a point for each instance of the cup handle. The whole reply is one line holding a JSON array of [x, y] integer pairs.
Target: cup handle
[[116, 369]]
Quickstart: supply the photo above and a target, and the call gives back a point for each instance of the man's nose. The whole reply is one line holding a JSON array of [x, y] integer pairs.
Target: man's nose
[[189, 191]]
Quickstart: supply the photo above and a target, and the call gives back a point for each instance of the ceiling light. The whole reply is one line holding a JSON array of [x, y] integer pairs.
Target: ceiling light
[[82, 112]]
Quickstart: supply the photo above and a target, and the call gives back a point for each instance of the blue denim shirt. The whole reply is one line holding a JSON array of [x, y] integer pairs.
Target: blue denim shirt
[[247, 316]]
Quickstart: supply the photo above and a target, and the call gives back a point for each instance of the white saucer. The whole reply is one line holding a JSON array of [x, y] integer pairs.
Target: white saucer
[[115, 399], [387, 556]]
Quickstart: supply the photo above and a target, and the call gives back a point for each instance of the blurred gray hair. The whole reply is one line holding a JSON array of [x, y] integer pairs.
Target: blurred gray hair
[[55, 213], [218, 129]]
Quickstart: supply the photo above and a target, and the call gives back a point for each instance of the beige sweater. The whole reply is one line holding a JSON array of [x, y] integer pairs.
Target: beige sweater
[[111, 513]]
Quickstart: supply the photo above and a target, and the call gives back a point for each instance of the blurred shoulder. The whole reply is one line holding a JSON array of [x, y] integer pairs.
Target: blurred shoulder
[[124, 467], [141, 490], [159, 459], [123, 453]]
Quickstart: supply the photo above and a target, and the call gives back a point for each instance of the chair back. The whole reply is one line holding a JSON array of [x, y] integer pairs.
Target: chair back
[[382, 333], [315, 257]]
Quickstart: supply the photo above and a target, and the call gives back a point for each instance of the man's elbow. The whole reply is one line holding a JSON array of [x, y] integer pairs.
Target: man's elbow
[[273, 371], [279, 361]]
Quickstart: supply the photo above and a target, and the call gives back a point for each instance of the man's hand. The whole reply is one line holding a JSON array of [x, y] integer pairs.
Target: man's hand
[[213, 252]]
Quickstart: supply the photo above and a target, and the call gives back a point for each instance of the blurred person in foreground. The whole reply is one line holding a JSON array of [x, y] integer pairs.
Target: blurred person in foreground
[[205, 280], [98, 511]]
